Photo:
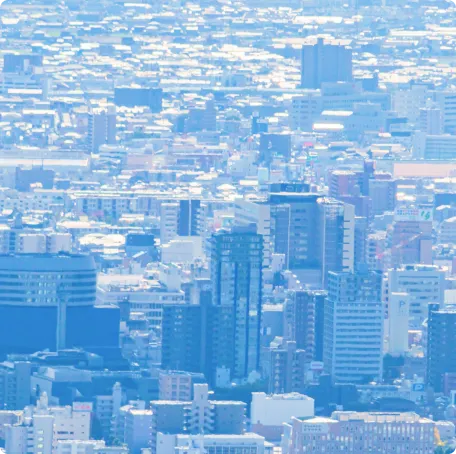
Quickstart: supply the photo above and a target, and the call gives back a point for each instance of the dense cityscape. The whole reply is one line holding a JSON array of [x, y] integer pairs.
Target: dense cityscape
[[227, 227]]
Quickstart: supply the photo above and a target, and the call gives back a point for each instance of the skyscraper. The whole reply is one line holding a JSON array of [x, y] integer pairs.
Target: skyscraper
[[353, 332], [441, 354], [316, 234], [335, 236], [304, 315], [325, 61], [236, 273]]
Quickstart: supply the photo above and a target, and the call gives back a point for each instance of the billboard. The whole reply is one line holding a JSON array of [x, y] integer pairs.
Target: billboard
[[413, 214]]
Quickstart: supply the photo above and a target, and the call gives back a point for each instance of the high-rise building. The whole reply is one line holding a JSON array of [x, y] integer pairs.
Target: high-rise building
[[50, 300], [353, 331], [102, 127], [186, 331], [431, 120], [411, 236], [319, 237], [446, 102], [287, 366], [236, 274], [335, 236], [304, 315], [325, 61], [382, 190], [441, 354], [360, 242], [181, 218], [15, 384], [423, 283], [182, 338], [398, 323]]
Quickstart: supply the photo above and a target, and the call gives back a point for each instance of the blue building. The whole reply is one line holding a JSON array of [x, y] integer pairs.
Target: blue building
[[47, 301]]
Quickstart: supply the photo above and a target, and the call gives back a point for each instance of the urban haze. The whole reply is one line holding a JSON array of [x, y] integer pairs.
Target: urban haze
[[227, 227]]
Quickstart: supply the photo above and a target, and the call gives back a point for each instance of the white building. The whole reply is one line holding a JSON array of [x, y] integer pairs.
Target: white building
[[398, 322], [212, 444], [446, 101], [424, 283], [439, 146], [147, 296], [31, 243], [183, 250], [88, 447], [353, 327], [42, 427], [353, 432], [169, 219], [304, 110], [108, 407], [270, 412], [447, 231], [431, 120], [138, 429], [407, 103]]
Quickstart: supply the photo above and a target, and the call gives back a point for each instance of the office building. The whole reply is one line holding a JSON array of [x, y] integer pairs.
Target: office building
[[335, 236], [438, 147], [409, 102], [411, 236], [187, 332], [248, 212], [353, 331], [325, 61], [236, 275], [183, 338], [447, 231], [319, 238], [398, 323], [423, 283], [441, 357], [48, 298], [385, 432], [446, 101], [431, 121]]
